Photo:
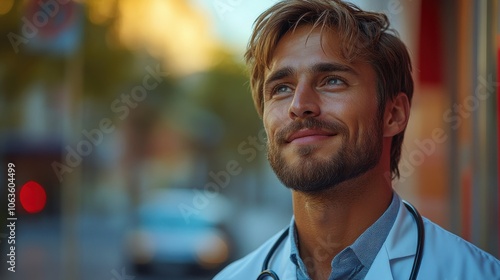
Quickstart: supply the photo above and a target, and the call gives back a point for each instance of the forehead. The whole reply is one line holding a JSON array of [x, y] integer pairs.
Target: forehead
[[302, 50], [311, 44]]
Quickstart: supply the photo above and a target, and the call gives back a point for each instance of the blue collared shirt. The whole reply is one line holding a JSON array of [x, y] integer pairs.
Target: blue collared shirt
[[354, 261]]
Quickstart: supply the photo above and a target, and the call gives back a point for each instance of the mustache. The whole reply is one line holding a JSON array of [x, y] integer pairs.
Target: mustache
[[310, 123]]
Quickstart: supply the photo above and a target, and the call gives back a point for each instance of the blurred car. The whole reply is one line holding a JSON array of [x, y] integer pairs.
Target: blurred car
[[180, 232]]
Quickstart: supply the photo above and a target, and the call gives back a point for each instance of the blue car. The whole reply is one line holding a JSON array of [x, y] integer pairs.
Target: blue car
[[178, 235]]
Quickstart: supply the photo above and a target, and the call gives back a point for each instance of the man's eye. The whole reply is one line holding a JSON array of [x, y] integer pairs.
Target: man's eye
[[334, 81], [282, 89]]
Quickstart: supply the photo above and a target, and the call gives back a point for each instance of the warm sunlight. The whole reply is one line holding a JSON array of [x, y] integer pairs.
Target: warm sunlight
[[173, 31]]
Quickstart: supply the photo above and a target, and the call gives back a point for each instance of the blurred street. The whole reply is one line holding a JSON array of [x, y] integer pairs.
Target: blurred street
[[41, 255]]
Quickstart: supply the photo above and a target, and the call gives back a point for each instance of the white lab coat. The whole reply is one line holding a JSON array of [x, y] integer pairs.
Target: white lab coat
[[446, 256]]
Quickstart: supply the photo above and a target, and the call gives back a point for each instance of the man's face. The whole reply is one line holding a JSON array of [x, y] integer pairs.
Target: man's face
[[320, 113]]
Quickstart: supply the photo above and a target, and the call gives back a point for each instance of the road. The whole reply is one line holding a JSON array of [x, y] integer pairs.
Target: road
[[98, 254]]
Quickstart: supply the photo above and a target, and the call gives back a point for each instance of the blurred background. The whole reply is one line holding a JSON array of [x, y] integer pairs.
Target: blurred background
[[137, 153]]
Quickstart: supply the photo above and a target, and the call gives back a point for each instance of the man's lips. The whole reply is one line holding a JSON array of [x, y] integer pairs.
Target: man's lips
[[308, 135]]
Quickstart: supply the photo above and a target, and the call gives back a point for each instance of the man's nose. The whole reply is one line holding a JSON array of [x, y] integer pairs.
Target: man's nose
[[305, 103]]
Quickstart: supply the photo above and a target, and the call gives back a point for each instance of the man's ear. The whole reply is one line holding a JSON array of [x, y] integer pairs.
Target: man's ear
[[396, 115]]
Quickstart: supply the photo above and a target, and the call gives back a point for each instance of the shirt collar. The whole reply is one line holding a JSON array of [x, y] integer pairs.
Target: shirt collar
[[366, 246], [369, 242]]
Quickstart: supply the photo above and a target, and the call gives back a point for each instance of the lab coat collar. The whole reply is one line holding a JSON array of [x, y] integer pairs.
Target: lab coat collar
[[401, 243], [286, 267]]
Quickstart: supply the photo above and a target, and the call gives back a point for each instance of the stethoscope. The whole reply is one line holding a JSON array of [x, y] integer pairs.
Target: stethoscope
[[267, 272]]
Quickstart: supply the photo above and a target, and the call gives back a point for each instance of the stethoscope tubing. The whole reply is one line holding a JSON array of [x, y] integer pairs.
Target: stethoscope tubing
[[267, 272], [420, 239]]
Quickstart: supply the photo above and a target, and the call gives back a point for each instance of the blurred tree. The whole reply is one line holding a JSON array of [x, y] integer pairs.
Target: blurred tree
[[106, 64], [225, 90]]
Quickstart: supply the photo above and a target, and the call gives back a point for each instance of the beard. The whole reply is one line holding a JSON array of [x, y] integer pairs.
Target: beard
[[314, 174]]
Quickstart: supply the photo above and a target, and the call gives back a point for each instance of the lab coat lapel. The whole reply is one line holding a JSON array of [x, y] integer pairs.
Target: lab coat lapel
[[398, 248], [380, 268], [285, 268]]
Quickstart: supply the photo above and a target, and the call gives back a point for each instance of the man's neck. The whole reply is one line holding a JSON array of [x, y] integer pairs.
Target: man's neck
[[329, 221]]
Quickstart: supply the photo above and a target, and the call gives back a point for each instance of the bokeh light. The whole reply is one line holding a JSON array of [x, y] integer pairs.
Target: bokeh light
[[6, 6], [33, 197]]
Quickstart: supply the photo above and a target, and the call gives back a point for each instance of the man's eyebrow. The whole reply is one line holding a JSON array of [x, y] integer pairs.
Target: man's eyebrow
[[316, 68], [279, 74], [332, 67]]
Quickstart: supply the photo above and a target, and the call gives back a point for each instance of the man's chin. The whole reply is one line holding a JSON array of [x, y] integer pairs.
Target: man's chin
[[295, 156], [304, 175], [306, 186]]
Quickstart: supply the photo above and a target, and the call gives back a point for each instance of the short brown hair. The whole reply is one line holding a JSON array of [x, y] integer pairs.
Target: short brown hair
[[363, 35]]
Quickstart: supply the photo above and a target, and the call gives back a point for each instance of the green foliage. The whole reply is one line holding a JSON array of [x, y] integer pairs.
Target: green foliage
[[226, 92]]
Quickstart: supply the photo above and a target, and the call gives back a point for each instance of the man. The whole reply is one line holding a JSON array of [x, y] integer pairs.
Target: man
[[333, 87]]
